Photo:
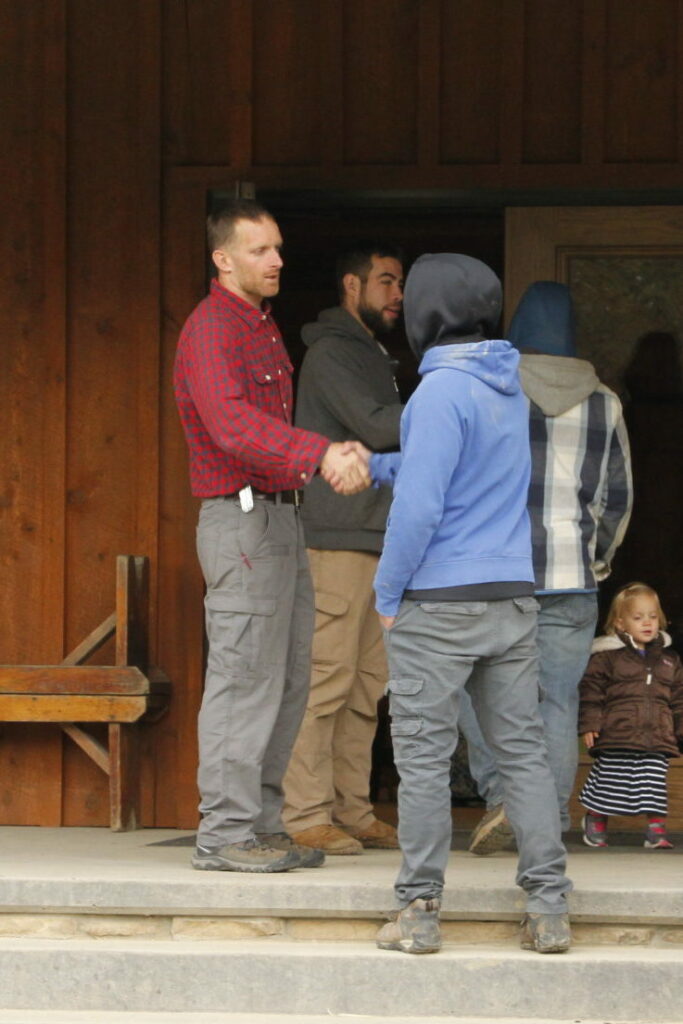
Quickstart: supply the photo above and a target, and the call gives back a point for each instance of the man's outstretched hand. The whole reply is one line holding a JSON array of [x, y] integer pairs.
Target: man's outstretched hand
[[345, 467]]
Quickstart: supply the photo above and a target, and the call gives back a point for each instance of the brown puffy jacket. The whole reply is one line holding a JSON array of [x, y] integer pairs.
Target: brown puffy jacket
[[633, 701]]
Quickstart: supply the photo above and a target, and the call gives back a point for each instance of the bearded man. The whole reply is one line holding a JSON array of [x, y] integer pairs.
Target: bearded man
[[346, 390]]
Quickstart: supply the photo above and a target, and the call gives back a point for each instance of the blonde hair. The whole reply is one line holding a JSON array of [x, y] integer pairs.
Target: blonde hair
[[622, 599]]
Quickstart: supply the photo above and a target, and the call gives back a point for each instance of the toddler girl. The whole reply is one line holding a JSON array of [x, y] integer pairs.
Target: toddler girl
[[630, 717]]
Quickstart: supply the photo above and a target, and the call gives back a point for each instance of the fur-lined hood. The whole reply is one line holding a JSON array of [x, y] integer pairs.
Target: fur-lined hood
[[613, 641]]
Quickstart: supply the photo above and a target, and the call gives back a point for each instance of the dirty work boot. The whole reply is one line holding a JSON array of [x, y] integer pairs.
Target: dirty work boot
[[415, 930], [309, 856], [493, 833], [546, 933], [329, 839], [378, 836], [251, 855]]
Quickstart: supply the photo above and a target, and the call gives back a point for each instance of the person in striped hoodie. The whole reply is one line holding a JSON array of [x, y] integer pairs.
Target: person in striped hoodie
[[579, 502]]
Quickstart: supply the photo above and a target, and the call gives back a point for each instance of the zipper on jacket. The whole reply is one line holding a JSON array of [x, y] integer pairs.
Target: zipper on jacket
[[649, 677]]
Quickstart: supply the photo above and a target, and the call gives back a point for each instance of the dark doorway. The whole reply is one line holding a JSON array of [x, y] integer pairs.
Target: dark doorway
[[317, 225], [316, 228]]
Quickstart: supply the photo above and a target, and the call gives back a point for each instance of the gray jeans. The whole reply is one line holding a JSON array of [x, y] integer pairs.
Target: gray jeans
[[434, 649], [259, 622]]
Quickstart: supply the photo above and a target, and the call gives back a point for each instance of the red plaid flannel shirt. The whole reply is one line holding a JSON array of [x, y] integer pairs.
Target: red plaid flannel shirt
[[233, 386]]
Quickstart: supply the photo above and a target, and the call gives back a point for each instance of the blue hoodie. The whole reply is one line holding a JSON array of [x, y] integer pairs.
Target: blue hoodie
[[458, 515]]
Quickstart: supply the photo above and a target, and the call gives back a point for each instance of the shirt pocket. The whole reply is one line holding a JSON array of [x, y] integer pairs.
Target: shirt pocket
[[267, 374]]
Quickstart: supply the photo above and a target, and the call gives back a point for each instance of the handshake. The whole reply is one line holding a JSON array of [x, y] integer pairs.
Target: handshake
[[345, 466]]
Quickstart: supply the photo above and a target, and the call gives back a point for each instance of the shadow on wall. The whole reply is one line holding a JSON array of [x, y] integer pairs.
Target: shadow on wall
[[653, 409]]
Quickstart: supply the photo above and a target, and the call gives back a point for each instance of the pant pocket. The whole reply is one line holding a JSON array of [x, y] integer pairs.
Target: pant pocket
[[404, 707]]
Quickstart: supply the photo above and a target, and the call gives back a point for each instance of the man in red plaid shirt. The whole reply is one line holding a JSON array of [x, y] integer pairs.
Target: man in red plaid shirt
[[233, 386]]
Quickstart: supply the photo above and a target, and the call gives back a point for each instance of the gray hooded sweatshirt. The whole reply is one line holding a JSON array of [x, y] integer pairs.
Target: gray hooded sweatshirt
[[346, 391]]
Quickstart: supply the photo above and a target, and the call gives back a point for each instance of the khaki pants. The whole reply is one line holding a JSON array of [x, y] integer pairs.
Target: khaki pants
[[328, 778]]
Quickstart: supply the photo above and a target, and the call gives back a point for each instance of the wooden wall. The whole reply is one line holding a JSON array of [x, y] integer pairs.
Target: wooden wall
[[117, 118]]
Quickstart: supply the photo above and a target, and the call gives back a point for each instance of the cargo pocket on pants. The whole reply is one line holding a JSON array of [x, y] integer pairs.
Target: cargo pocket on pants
[[403, 707], [240, 631]]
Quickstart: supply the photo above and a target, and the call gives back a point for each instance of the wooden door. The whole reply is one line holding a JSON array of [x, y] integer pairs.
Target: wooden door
[[624, 266]]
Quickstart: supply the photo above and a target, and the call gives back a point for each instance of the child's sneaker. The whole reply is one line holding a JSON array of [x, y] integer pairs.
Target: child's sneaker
[[655, 837], [594, 829]]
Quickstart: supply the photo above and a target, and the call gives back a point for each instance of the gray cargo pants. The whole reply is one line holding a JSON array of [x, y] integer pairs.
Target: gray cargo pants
[[259, 621], [433, 650]]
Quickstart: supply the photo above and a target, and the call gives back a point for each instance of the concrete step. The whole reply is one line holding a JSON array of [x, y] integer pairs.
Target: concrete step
[[114, 1017], [499, 981], [70, 871]]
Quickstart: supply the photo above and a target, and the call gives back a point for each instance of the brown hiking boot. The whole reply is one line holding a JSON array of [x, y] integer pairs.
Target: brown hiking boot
[[546, 933], [329, 839], [493, 833], [379, 836], [251, 855], [308, 856], [415, 930]]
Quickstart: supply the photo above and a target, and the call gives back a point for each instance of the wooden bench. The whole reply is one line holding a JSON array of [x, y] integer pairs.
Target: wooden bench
[[120, 695]]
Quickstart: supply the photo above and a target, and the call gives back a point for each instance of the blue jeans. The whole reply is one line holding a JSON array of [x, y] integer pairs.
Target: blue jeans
[[566, 627], [434, 649]]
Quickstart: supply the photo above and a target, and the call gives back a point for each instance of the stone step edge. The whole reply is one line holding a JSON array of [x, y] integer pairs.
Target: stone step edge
[[277, 946], [618, 985], [299, 929], [137, 1017], [663, 906]]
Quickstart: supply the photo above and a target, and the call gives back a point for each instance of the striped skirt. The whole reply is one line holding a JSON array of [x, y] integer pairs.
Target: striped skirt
[[626, 782]]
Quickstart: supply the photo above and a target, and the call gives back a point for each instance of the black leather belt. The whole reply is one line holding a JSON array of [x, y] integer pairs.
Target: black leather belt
[[276, 497]]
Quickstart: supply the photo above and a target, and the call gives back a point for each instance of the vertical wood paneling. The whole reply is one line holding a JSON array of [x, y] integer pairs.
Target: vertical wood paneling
[[551, 124], [593, 85], [472, 44], [331, 143], [113, 388], [208, 47], [181, 588], [643, 69], [429, 72], [287, 123], [380, 81], [32, 390]]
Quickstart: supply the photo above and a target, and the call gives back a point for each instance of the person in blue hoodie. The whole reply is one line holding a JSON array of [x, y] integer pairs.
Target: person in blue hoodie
[[579, 503], [454, 590]]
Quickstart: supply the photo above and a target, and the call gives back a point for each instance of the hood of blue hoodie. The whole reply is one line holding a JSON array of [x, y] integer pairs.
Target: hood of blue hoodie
[[544, 330], [544, 320], [494, 363], [450, 299]]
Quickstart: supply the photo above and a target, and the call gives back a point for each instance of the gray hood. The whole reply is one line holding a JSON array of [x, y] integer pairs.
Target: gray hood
[[556, 383], [335, 322], [450, 299]]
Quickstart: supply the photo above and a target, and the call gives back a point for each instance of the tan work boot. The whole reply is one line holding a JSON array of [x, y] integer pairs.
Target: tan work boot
[[415, 930], [329, 839], [493, 833], [379, 836]]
